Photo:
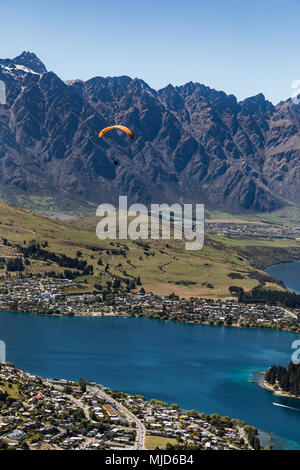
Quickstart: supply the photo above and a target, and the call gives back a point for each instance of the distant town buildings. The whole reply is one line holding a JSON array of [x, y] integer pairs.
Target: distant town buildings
[[47, 296]]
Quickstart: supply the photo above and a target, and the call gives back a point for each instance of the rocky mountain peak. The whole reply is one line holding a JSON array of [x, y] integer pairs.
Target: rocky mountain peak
[[31, 61], [193, 143]]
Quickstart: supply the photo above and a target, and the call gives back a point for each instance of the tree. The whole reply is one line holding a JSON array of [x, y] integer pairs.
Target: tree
[[82, 384], [15, 264], [252, 435], [175, 406], [287, 379], [3, 445], [68, 389], [192, 413]]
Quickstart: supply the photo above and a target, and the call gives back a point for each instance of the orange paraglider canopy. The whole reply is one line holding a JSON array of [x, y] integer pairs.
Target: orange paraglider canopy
[[122, 128]]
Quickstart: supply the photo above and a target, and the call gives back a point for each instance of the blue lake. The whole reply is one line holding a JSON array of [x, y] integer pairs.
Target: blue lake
[[197, 366], [289, 273]]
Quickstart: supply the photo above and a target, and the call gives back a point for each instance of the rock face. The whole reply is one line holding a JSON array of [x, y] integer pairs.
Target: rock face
[[192, 143]]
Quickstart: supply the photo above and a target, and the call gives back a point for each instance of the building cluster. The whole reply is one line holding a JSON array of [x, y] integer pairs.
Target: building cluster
[[187, 427], [208, 311], [48, 296], [51, 414], [39, 413], [253, 230]]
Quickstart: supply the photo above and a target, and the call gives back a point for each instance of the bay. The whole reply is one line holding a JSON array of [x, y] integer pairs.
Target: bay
[[208, 368]]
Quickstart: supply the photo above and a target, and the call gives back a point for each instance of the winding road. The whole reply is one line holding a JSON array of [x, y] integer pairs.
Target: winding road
[[140, 428]]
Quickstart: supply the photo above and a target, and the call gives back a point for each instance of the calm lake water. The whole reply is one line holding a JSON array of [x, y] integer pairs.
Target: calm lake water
[[289, 273], [204, 367]]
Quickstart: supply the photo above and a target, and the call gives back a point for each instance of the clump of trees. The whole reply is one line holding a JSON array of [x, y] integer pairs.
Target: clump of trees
[[252, 435], [235, 276], [3, 445], [15, 264], [34, 251], [181, 447], [82, 385], [267, 296], [185, 283], [288, 379]]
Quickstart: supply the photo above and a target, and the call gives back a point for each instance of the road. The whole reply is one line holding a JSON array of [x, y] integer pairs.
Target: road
[[98, 391], [291, 314], [243, 435], [140, 428]]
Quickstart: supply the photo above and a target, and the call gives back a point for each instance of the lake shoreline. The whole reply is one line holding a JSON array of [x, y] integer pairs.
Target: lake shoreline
[[261, 382], [283, 276], [167, 361], [171, 320]]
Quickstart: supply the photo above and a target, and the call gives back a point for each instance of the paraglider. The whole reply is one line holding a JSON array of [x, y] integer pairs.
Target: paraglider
[[122, 128]]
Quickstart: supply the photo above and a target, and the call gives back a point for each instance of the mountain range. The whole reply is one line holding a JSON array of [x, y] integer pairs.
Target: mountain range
[[192, 143]]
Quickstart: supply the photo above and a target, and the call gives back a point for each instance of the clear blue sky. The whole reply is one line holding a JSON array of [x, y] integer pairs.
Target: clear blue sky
[[240, 46]]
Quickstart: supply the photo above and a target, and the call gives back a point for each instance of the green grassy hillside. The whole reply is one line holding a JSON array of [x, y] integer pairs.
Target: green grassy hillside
[[163, 266]]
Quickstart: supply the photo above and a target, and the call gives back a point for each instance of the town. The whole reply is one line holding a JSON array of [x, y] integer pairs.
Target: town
[[251, 230], [46, 414], [49, 296]]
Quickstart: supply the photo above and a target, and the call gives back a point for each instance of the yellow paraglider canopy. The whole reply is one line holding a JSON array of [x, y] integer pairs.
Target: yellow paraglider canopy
[[122, 128]]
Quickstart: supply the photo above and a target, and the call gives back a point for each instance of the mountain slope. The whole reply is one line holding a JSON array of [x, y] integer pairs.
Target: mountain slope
[[163, 266], [193, 143]]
